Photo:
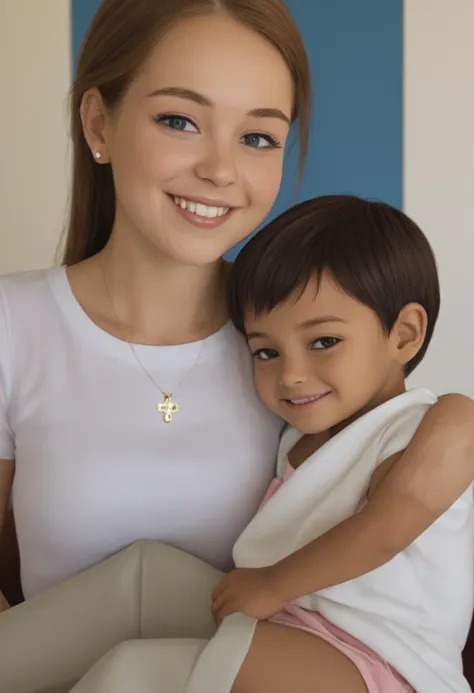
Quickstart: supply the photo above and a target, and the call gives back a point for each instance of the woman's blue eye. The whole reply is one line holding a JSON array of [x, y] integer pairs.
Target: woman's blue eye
[[325, 343], [260, 141], [183, 124], [176, 122], [265, 354]]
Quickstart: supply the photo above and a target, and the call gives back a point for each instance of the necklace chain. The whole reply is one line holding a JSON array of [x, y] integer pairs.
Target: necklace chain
[[168, 407]]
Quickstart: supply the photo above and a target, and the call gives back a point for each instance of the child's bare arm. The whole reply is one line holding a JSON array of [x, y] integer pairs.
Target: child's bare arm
[[425, 481]]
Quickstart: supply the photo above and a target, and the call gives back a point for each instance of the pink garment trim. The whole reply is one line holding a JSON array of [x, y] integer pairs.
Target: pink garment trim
[[379, 677]]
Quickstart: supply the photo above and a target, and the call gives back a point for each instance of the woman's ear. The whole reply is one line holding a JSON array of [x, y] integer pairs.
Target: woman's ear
[[408, 333], [94, 117]]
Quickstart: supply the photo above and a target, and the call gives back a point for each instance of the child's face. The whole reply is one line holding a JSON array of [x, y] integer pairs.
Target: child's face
[[322, 358]]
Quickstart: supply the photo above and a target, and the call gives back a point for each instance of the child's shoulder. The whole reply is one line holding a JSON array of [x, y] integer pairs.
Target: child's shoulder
[[404, 415]]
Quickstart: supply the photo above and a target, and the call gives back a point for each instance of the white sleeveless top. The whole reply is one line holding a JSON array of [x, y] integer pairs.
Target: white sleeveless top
[[96, 466]]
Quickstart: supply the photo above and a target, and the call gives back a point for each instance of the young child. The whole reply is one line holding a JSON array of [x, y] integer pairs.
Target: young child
[[355, 543]]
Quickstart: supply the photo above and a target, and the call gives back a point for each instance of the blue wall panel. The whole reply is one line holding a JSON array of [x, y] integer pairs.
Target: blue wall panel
[[82, 13]]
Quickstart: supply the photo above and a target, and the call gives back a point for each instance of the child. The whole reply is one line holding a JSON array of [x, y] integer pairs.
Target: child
[[338, 299]]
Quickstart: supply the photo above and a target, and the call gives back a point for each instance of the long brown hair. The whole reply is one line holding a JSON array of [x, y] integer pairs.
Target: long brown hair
[[121, 36]]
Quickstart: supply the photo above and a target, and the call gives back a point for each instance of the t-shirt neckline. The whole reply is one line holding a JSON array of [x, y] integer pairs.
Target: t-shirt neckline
[[88, 330]]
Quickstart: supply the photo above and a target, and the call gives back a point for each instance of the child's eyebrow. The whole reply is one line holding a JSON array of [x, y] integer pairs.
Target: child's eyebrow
[[313, 322]]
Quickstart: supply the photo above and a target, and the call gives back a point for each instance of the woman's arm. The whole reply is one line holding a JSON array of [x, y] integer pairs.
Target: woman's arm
[[7, 468], [430, 475]]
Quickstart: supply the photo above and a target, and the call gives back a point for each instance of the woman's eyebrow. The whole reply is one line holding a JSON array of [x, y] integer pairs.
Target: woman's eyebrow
[[191, 95]]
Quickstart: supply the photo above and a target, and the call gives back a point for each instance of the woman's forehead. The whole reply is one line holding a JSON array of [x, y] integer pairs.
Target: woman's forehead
[[221, 59]]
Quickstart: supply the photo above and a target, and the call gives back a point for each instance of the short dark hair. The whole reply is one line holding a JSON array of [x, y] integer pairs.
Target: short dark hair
[[373, 251]]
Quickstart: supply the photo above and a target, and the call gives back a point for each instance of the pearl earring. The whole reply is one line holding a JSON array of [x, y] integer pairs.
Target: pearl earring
[[98, 155]]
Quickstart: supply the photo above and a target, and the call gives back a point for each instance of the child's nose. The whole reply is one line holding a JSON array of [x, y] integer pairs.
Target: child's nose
[[292, 373]]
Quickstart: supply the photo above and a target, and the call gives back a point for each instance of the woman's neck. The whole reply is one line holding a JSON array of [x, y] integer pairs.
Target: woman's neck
[[149, 300]]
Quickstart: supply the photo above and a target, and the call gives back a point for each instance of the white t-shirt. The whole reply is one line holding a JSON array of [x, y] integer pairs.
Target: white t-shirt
[[96, 466]]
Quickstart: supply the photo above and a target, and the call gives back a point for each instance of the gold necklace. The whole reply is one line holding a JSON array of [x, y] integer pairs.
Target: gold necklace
[[167, 407]]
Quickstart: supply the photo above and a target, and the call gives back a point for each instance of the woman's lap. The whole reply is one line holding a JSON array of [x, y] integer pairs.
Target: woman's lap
[[148, 666], [154, 592], [148, 590], [281, 660]]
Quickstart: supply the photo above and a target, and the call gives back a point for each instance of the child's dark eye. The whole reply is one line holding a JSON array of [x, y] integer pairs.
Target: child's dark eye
[[325, 343], [265, 354], [176, 122], [258, 140]]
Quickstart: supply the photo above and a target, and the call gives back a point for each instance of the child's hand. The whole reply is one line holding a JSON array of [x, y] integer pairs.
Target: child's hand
[[251, 591]]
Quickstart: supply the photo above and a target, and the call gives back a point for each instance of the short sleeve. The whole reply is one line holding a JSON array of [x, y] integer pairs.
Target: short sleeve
[[7, 443]]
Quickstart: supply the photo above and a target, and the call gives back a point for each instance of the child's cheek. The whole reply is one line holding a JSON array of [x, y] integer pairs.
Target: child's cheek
[[330, 369], [266, 385], [339, 369]]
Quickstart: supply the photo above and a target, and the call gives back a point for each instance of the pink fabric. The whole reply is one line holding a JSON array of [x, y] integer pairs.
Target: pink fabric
[[379, 677]]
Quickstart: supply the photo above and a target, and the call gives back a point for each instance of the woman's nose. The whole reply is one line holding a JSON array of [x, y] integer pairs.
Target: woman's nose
[[217, 165]]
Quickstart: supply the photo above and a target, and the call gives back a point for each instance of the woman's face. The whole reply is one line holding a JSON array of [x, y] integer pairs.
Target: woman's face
[[197, 144]]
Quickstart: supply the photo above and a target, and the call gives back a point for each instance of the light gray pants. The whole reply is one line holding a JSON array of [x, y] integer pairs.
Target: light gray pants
[[100, 629], [142, 666]]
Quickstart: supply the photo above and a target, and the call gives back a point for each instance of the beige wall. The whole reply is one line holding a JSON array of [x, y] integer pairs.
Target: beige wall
[[439, 173], [35, 73]]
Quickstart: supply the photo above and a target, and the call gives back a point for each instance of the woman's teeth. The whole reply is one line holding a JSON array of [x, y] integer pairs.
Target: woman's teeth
[[199, 209]]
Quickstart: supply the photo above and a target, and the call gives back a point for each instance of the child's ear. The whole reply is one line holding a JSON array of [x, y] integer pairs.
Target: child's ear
[[408, 333]]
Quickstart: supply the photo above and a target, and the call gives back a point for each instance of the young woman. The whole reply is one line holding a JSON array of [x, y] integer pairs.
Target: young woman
[[127, 406]]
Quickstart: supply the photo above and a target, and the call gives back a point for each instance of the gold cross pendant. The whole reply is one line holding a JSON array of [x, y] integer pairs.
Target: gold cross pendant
[[167, 408]]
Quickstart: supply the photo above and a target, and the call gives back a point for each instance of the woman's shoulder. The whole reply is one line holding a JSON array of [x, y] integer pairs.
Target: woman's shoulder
[[26, 297], [20, 285], [23, 302]]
